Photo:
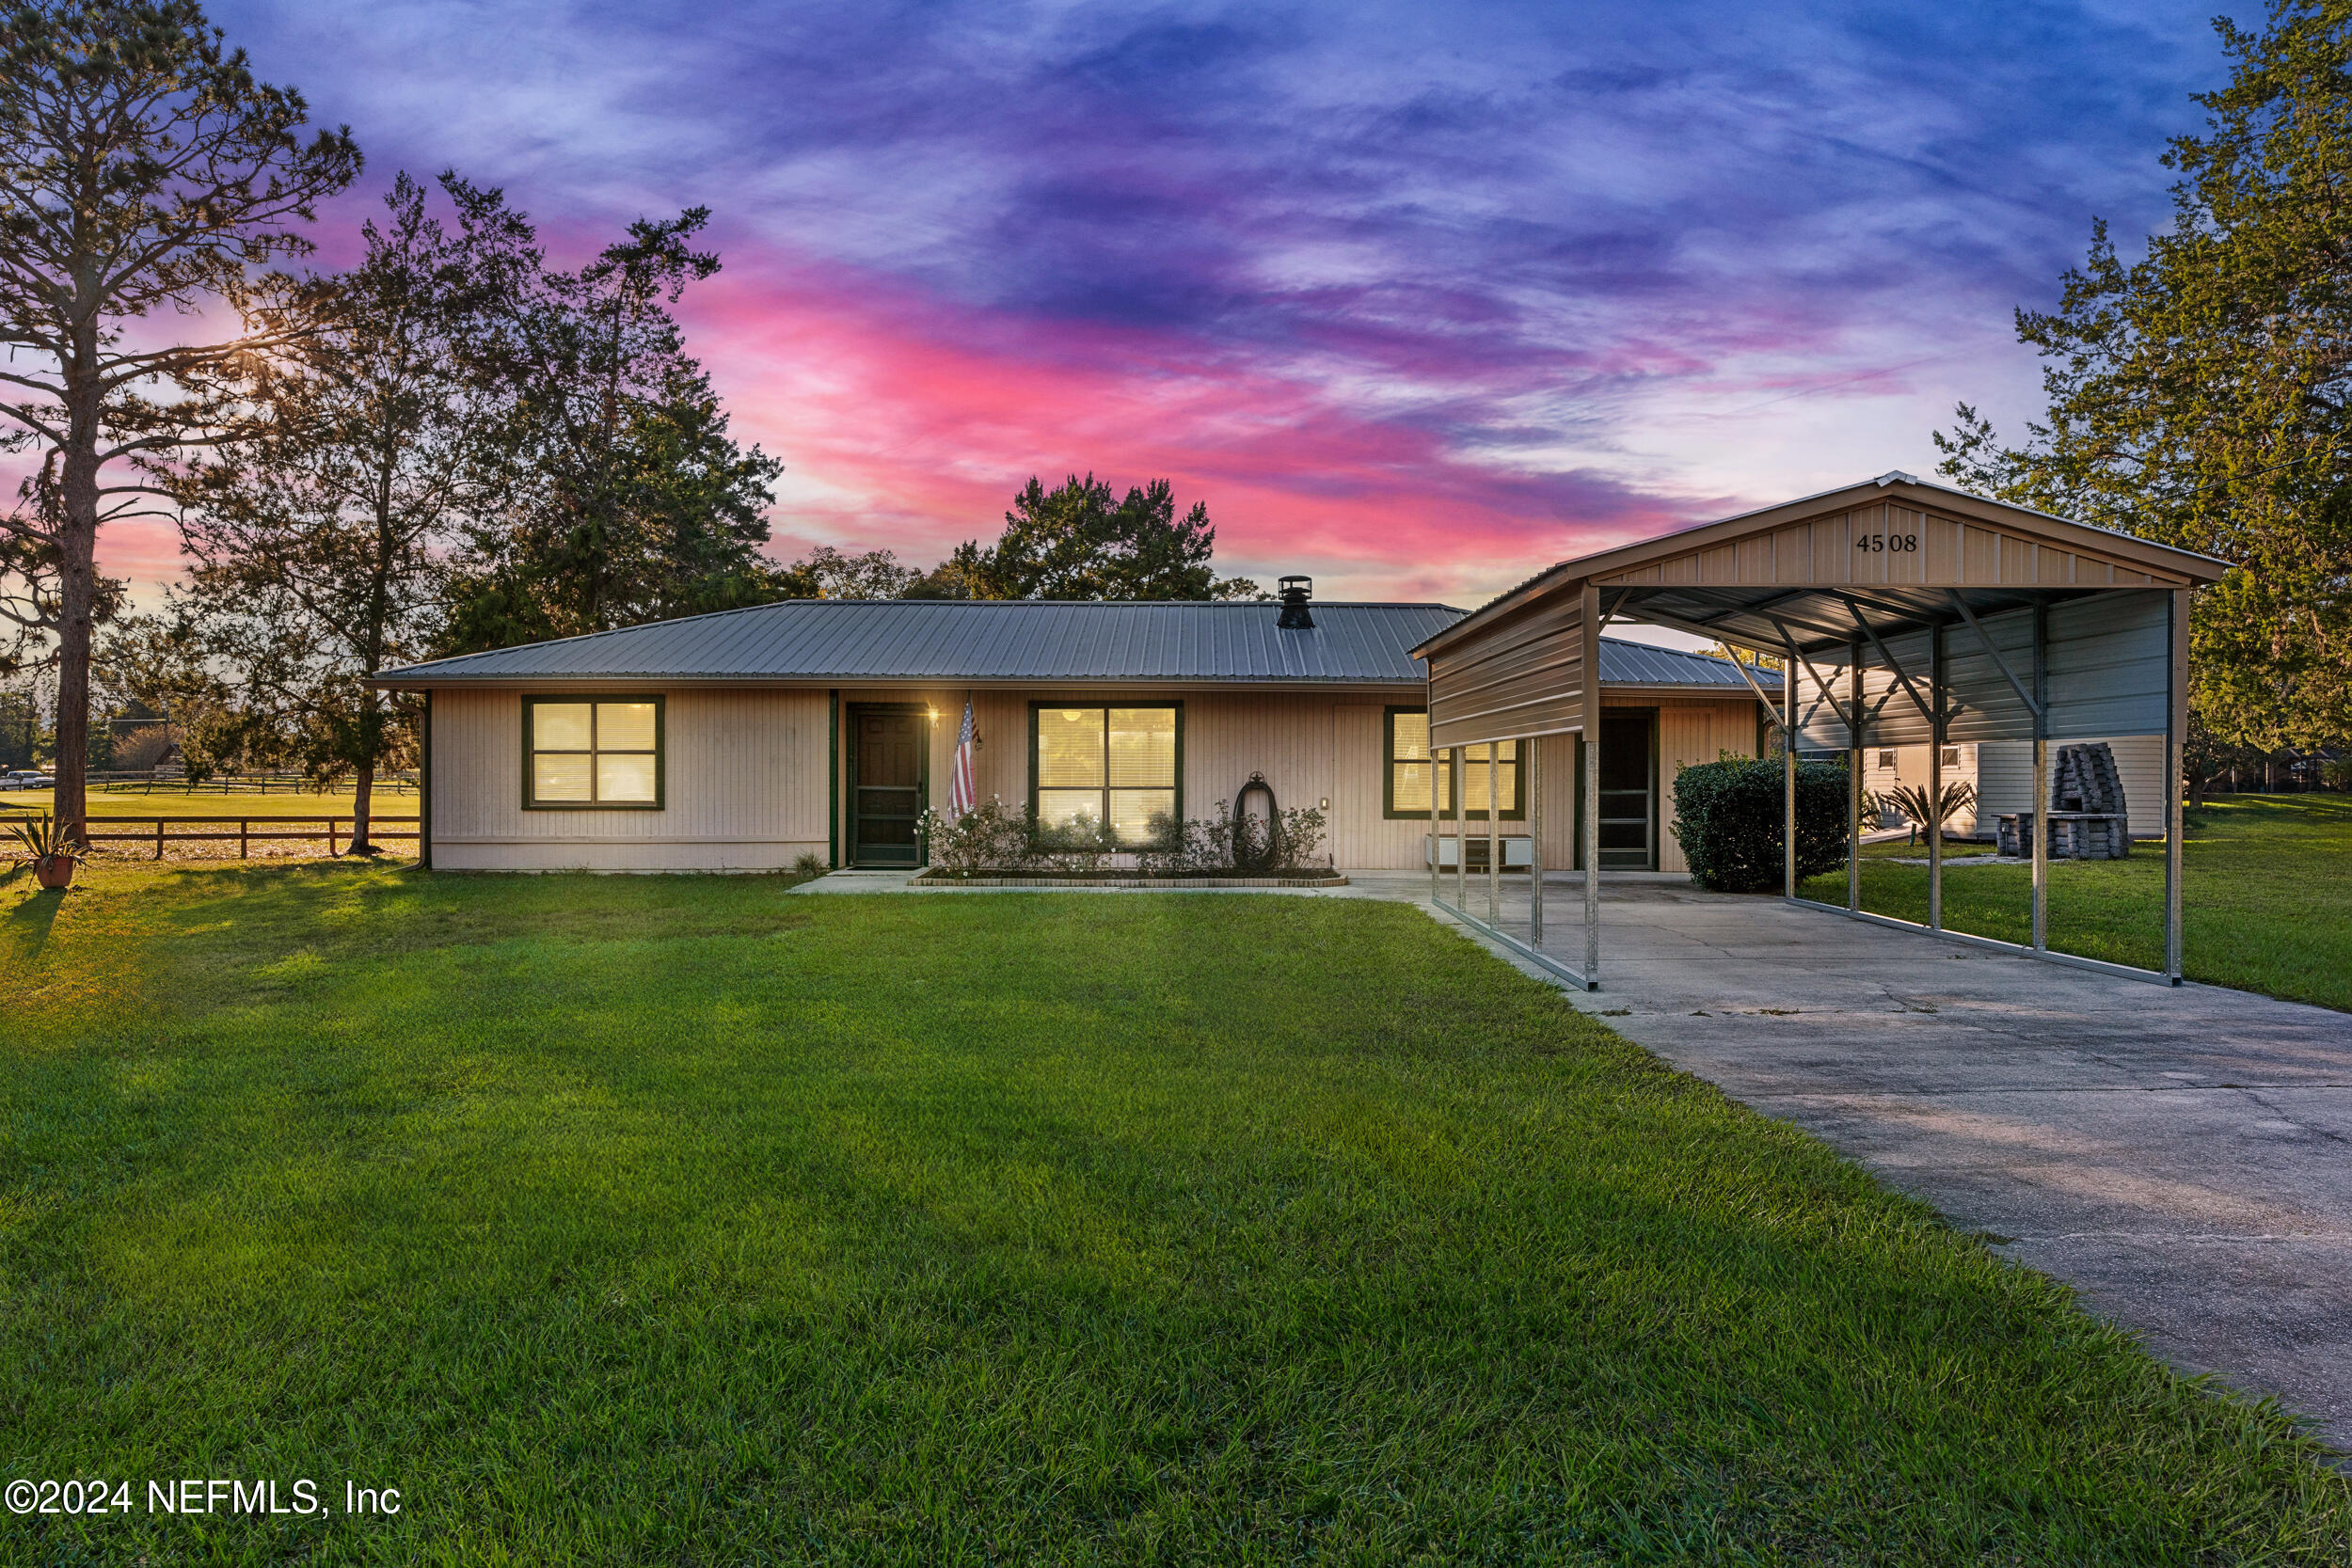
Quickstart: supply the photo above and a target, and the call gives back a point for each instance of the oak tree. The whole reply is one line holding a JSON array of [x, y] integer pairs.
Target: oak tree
[[2202, 395]]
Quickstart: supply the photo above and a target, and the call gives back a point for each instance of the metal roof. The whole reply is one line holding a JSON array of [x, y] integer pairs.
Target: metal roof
[[1624, 664], [849, 640]]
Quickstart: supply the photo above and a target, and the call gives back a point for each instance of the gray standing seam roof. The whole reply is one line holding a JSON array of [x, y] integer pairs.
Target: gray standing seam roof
[[849, 640]]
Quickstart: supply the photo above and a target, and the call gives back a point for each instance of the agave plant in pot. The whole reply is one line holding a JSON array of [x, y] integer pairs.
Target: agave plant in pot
[[44, 844]]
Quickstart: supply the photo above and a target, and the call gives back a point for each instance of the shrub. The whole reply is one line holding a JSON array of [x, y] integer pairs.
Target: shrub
[[993, 837], [1222, 846], [138, 751], [1727, 819], [1911, 803]]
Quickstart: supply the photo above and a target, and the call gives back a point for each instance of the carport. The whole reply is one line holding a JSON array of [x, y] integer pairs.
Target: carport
[[1906, 612]]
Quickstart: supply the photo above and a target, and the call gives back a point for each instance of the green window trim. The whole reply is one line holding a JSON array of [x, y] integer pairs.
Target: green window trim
[[1513, 768], [595, 752], [1175, 786]]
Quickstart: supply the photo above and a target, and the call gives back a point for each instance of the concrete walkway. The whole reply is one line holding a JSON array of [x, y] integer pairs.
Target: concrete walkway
[[2184, 1157]]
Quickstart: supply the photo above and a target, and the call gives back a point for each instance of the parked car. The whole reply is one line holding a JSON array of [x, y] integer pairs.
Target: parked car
[[27, 780]]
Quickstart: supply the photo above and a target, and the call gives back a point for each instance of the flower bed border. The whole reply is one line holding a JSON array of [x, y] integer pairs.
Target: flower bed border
[[1122, 880]]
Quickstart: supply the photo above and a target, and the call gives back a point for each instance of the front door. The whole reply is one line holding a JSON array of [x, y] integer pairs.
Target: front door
[[887, 785], [1629, 789]]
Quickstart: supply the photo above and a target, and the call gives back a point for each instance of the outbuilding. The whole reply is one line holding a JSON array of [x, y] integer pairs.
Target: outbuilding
[[1908, 615]]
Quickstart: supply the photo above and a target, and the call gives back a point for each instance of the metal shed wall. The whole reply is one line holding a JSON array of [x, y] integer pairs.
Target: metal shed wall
[[2110, 664], [1522, 677], [1988, 707], [2108, 672]]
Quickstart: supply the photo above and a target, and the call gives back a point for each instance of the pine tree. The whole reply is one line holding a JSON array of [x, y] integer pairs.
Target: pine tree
[[145, 176]]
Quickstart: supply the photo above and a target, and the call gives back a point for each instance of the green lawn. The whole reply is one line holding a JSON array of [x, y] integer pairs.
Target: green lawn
[[2266, 897], [682, 1220]]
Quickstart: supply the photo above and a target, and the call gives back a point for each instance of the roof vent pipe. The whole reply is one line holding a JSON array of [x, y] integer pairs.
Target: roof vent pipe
[[1295, 593]]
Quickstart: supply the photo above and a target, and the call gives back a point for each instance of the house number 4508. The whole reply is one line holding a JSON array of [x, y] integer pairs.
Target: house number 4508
[[1881, 543]]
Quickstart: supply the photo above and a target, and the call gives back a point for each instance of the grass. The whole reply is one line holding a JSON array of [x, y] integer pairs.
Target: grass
[[680, 1219], [2266, 895]]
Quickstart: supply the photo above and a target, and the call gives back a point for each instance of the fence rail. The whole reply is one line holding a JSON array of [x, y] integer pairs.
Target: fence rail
[[246, 830], [239, 783]]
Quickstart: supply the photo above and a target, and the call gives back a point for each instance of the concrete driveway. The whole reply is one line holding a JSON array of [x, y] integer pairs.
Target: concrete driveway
[[2182, 1156]]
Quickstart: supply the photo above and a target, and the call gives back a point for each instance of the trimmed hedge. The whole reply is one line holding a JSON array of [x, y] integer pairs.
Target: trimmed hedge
[[1727, 819]]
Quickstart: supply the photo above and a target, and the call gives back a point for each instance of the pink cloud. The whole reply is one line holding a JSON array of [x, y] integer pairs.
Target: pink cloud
[[909, 425]]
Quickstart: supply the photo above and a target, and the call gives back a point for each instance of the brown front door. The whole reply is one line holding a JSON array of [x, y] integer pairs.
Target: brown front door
[[887, 785]]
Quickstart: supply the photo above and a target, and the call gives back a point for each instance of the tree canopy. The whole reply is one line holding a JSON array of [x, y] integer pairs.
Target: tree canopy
[[2202, 394], [1080, 541], [622, 497], [319, 542], [145, 175]]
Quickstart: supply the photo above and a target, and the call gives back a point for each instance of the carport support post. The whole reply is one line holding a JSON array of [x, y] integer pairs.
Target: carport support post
[[1535, 842], [1590, 665], [1788, 771], [1854, 777], [2175, 735], [1935, 779], [1459, 774], [2040, 778], [1494, 835], [1436, 862]]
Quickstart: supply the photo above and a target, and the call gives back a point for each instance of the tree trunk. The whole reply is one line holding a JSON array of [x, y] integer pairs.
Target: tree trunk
[[77, 585], [360, 805]]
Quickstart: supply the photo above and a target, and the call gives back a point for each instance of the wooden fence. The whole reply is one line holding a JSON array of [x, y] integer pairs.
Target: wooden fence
[[240, 783], [246, 830]]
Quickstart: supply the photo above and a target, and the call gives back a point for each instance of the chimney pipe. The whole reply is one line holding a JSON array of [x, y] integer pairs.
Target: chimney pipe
[[1295, 616]]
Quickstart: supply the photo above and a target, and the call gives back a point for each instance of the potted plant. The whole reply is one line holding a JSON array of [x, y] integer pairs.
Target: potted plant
[[46, 848]]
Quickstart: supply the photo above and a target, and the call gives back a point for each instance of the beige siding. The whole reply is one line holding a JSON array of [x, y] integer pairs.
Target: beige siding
[[1832, 550], [1690, 730], [1911, 768], [1559, 757], [746, 786], [1361, 834], [744, 777]]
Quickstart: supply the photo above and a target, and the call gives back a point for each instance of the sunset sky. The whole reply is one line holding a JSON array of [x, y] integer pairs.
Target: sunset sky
[[1418, 298]]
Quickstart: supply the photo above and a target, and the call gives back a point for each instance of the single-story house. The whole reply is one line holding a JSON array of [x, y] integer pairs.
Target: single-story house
[[747, 740]]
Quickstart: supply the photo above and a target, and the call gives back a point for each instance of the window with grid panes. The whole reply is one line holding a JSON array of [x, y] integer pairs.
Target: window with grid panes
[[1105, 772]]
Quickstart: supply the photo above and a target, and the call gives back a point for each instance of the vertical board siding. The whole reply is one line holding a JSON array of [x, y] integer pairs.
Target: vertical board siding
[[1288, 739], [743, 785], [746, 788], [1690, 730], [1911, 768], [1560, 762], [1822, 551]]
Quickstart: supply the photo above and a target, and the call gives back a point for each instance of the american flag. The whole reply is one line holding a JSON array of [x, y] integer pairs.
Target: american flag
[[964, 790]]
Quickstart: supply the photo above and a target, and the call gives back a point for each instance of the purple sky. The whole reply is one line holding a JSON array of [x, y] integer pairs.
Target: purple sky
[[1419, 298]]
